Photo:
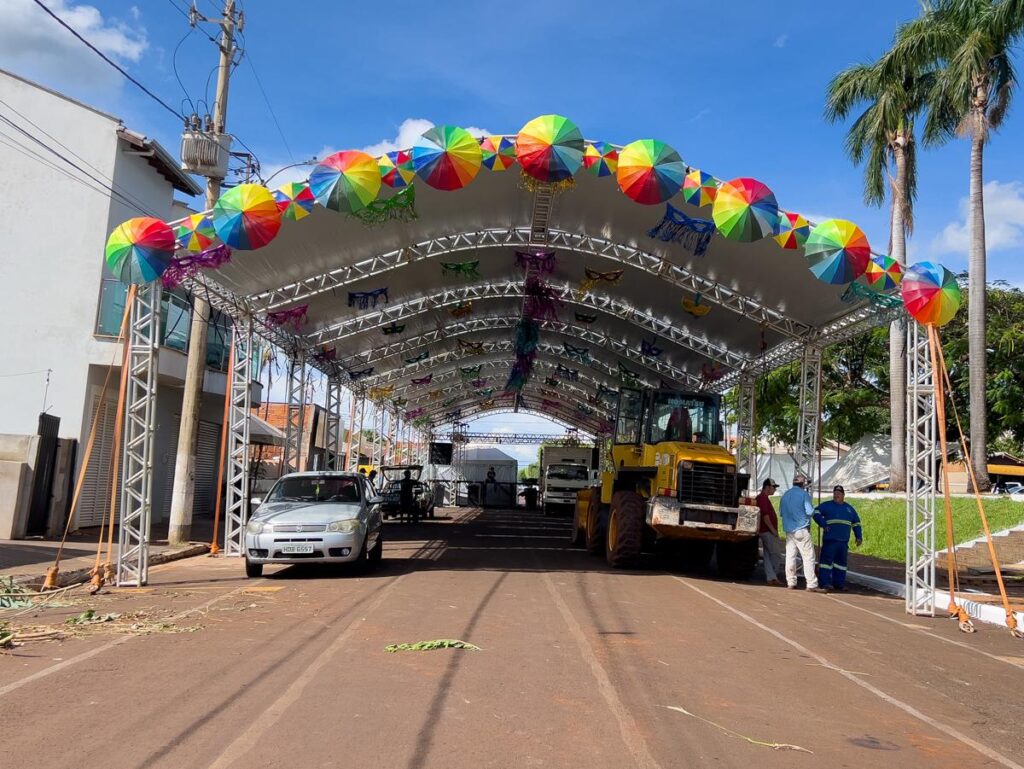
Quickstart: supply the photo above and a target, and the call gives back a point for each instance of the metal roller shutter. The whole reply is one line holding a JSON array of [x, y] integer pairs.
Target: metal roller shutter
[[207, 443], [95, 497]]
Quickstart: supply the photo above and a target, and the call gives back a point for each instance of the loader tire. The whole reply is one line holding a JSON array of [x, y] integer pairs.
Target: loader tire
[[625, 535], [593, 535]]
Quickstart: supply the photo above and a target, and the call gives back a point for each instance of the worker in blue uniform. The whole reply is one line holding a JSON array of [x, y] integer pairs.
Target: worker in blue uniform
[[837, 518]]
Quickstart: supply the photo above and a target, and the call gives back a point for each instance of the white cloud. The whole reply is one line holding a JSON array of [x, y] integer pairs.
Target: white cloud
[[1004, 221], [780, 41], [701, 114], [33, 44]]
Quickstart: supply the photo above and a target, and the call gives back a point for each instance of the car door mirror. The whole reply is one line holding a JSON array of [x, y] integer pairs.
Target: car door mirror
[[256, 501], [376, 500]]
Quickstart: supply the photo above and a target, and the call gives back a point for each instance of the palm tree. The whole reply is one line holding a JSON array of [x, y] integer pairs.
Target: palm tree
[[882, 138], [970, 42]]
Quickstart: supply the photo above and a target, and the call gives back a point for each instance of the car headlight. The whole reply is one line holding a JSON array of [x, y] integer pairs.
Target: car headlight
[[347, 526], [258, 527]]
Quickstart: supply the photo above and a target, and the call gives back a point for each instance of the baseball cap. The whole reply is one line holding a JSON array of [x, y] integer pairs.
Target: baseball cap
[[839, 489], [769, 482], [799, 479]]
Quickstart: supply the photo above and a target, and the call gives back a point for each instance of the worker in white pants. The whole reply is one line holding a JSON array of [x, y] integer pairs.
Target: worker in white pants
[[797, 512]]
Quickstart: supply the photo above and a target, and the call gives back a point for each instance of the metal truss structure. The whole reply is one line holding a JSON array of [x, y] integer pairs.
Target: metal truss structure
[[354, 449], [746, 443], [292, 461], [522, 439], [810, 413], [236, 510], [334, 427], [139, 427], [921, 475]]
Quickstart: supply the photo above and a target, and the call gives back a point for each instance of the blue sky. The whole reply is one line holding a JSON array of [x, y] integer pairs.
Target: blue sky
[[736, 87]]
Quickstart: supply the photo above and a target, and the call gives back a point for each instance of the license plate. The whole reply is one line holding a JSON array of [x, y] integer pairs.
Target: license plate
[[297, 548]]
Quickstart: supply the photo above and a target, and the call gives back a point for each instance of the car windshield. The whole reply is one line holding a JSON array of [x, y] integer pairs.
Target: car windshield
[[568, 472], [315, 489], [682, 417]]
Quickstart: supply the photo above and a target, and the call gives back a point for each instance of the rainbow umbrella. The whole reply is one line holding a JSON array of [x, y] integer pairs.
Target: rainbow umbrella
[[396, 168], [499, 152], [550, 148], [930, 293], [247, 217], [699, 188], [196, 233], [601, 159], [346, 181], [745, 210], [295, 200], [837, 251], [650, 171], [883, 273], [447, 157], [140, 249], [793, 230]]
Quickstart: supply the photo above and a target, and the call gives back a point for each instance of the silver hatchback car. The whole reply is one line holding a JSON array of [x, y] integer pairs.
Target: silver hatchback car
[[315, 517]]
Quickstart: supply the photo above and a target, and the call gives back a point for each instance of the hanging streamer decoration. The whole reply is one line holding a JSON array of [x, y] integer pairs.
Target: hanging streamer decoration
[[711, 372], [479, 383], [582, 317], [582, 354], [569, 374], [541, 262], [695, 306], [393, 328], [650, 349], [435, 394], [423, 380], [400, 207], [461, 310], [354, 375], [485, 393], [414, 413], [363, 299], [527, 340], [676, 227], [593, 277], [417, 358], [182, 268], [541, 300], [470, 372], [380, 392], [465, 270], [293, 317], [631, 377], [471, 348], [855, 292]]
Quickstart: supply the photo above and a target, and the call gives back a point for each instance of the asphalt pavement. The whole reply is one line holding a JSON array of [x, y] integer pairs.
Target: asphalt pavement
[[578, 666]]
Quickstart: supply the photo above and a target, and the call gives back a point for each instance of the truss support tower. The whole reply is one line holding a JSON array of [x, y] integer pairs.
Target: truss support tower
[[810, 413], [921, 475], [746, 444], [239, 410], [334, 449], [292, 461]]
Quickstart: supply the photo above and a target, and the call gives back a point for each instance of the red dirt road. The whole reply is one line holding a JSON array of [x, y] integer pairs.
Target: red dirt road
[[579, 666]]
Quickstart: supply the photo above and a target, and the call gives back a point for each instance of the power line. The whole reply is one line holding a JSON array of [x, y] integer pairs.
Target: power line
[[248, 58], [110, 61]]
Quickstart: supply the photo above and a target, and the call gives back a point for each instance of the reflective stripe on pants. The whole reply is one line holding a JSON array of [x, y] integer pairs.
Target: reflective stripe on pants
[[834, 556]]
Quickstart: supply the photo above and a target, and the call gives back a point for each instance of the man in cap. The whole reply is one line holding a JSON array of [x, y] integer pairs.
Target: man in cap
[[797, 513], [768, 532], [837, 517]]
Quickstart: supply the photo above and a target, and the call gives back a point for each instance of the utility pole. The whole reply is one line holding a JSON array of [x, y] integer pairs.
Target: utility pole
[[183, 495]]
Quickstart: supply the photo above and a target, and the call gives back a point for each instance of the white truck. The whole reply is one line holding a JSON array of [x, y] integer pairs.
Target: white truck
[[565, 470]]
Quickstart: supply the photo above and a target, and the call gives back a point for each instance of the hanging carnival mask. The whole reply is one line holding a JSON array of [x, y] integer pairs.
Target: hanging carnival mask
[[593, 277], [464, 270], [362, 299]]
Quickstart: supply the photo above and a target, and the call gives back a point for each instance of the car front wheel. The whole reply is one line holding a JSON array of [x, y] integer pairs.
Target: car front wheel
[[253, 570]]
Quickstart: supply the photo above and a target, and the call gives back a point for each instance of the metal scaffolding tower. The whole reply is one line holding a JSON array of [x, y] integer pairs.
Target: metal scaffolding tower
[[292, 460], [139, 427], [810, 412], [921, 462], [335, 428], [746, 443], [237, 508]]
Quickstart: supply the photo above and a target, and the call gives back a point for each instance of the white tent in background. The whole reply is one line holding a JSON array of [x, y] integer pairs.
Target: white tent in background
[[865, 465], [779, 465], [480, 460]]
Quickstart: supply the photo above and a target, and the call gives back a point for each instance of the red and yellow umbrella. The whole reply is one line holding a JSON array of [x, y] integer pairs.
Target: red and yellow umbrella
[[140, 249], [346, 181], [745, 210], [883, 274], [930, 293], [650, 171], [793, 230], [247, 217], [396, 168], [550, 148], [196, 233], [837, 251], [295, 200], [699, 188], [499, 152], [447, 157], [601, 159]]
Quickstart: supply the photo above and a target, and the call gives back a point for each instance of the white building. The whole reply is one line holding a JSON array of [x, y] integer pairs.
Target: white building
[[61, 309]]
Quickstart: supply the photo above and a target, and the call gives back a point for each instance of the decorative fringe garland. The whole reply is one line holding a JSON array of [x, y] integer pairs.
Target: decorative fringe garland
[[527, 336], [856, 291], [423, 380], [478, 383], [435, 394], [676, 227], [541, 262], [461, 310], [414, 413], [582, 354], [487, 393], [182, 268], [531, 185], [400, 207], [362, 299], [593, 277], [380, 392], [293, 317], [542, 301], [582, 317], [569, 374], [466, 270], [354, 375], [471, 348], [394, 328], [649, 349], [631, 377], [694, 306], [470, 372], [416, 359], [711, 373]]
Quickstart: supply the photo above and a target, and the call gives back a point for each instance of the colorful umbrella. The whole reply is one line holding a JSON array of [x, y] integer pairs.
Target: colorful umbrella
[[499, 152], [447, 157], [745, 210], [295, 200], [699, 188], [247, 217], [139, 250], [396, 168], [196, 233], [650, 171], [346, 181], [883, 274], [550, 148], [837, 251], [930, 293], [601, 159], [793, 230]]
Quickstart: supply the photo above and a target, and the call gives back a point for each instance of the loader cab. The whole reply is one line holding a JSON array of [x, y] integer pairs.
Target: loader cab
[[659, 416]]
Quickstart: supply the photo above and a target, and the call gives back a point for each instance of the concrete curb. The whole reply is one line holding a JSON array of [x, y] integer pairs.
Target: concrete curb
[[75, 576], [983, 612]]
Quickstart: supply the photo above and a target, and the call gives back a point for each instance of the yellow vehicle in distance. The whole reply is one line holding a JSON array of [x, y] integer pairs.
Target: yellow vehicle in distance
[[673, 488]]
